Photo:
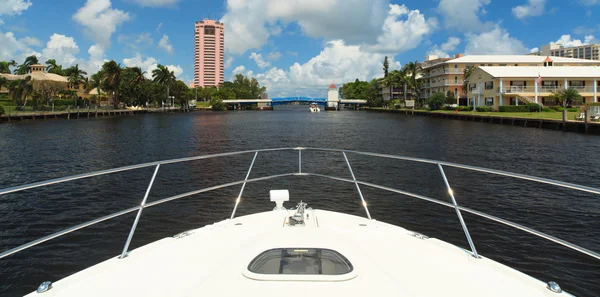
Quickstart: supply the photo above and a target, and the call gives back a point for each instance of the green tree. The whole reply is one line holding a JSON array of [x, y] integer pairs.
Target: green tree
[[386, 67], [112, 80], [412, 70], [567, 97], [20, 90], [5, 66], [450, 98], [3, 82], [217, 104], [466, 74], [96, 82], [26, 66], [52, 67], [163, 76], [436, 101]]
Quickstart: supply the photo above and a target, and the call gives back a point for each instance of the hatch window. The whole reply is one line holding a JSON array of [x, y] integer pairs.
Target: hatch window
[[303, 261]]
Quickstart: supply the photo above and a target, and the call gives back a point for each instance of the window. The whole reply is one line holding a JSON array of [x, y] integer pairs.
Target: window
[[489, 85], [472, 87], [455, 79], [455, 92], [306, 261], [209, 30], [455, 66], [489, 101]]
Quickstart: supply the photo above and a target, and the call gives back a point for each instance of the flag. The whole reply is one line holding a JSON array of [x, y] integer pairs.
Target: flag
[[539, 80]]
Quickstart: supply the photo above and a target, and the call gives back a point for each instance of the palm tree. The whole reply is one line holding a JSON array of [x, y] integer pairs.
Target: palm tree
[[96, 82], [412, 70], [52, 67], [3, 82], [162, 75], [112, 79], [4, 68], [136, 81], [21, 89], [466, 74], [567, 97], [25, 67]]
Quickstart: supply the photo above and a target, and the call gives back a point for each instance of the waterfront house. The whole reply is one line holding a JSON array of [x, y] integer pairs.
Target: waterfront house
[[494, 86], [447, 74]]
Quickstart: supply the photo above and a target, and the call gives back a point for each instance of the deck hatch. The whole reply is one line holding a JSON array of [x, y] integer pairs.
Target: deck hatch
[[300, 261]]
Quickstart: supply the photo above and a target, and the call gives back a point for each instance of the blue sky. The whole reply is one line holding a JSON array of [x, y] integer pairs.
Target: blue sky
[[291, 46]]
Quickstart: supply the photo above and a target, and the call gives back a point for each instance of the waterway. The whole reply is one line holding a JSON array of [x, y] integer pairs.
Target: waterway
[[40, 150]]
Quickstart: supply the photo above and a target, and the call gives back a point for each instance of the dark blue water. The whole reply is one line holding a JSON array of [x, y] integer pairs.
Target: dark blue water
[[40, 150]]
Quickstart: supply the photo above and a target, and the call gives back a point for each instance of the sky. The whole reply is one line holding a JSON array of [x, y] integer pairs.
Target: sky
[[293, 47]]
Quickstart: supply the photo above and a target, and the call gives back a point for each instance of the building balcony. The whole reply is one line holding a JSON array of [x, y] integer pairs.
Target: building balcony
[[543, 89], [445, 83]]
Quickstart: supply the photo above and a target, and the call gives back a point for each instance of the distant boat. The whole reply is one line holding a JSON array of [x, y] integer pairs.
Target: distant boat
[[314, 107]]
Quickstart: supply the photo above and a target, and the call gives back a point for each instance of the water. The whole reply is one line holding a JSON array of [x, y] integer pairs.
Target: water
[[34, 151]]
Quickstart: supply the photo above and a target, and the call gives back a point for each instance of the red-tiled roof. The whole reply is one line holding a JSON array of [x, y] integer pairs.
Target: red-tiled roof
[[332, 86], [548, 59]]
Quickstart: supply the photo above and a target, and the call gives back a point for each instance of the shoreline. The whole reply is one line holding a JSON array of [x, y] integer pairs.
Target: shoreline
[[529, 122]]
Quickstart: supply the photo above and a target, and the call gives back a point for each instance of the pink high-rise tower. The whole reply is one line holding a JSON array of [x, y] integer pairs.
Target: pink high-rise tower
[[209, 57]]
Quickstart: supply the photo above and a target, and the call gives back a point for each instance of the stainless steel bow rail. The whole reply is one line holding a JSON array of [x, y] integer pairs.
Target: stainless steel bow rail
[[440, 164]]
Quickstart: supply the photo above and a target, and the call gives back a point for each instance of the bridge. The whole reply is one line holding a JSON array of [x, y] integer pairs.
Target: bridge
[[332, 102], [270, 103]]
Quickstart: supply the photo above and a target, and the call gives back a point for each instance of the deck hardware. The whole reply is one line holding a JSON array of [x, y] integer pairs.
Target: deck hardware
[[237, 201], [238, 224], [362, 199], [44, 287], [362, 225], [554, 287], [460, 218], [139, 214]]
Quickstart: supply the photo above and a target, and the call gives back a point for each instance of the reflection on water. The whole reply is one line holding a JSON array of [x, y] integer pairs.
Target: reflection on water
[[33, 151]]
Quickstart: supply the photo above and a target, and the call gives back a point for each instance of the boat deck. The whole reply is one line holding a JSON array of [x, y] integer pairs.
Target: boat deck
[[213, 261]]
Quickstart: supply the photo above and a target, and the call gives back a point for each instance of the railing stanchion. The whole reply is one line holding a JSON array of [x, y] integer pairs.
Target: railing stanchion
[[139, 214], [460, 218], [237, 201], [364, 203], [299, 161]]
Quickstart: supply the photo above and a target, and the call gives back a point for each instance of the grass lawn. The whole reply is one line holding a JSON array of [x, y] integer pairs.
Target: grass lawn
[[532, 115]]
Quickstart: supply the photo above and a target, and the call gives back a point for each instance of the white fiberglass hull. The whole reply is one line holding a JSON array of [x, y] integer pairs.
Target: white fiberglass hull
[[213, 261]]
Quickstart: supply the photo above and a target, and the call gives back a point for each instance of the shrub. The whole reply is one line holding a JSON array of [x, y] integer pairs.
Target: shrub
[[546, 109], [532, 107], [436, 101], [483, 109], [1, 110], [574, 109], [217, 104], [64, 102]]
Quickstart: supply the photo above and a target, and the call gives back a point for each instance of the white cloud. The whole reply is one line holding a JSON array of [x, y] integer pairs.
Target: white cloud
[[13, 7], [463, 15], [148, 64], [567, 41], [61, 48], [442, 50], [260, 62], [336, 63], [250, 23], [401, 35], [13, 49], [228, 62], [534, 50], [99, 20], [531, 9], [292, 53], [155, 3], [589, 2], [497, 41], [31, 41], [274, 56], [165, 45]]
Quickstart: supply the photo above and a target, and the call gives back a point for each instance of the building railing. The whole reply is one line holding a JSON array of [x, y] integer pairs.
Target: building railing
[[447, 83], [440, 165], [542, 89]]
